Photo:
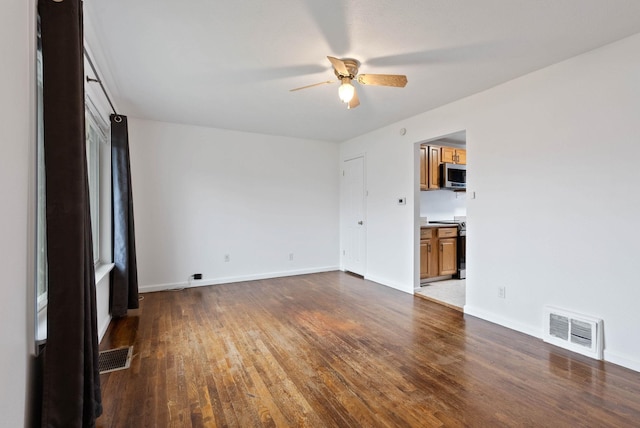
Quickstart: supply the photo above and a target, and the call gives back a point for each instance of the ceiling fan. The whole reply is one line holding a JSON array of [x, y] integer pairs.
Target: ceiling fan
[[346, 70]]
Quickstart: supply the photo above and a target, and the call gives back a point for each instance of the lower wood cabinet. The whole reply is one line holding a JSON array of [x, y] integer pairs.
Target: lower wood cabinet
[[447, 262], [428, 258], [438, 252]]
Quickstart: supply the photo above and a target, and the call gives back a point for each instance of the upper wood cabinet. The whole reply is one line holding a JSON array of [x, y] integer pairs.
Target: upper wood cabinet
[[431, 157], [462, 156], [453, 155], [423, 168], [429, 167], [433, 179]]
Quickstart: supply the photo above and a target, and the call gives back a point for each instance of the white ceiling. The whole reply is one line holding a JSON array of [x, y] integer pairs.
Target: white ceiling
[[230, 64]]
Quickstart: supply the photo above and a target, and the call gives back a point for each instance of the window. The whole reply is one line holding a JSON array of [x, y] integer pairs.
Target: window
[[98, 172], [96, 130], [41, 214]]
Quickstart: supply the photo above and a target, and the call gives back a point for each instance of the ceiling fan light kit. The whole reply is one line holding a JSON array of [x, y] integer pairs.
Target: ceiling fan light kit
[[346, 90], [346, 70]]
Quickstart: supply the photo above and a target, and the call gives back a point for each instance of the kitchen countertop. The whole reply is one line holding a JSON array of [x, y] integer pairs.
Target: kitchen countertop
[[435, 225]]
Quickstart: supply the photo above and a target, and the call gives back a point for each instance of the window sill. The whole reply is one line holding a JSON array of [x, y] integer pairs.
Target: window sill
[[102, 270]]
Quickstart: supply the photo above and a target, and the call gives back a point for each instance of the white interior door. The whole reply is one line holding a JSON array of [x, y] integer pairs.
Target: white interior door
[[354, 203]]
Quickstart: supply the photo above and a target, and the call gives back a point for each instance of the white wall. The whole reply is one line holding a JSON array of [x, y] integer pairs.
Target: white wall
[[389, 166], [103, 314], [200, 193], [17, 130], [442, 204], [553, 159]]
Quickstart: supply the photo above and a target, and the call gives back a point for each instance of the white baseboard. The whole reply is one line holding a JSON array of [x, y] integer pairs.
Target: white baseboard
[[622, 360], [231, 279], [391, 284], [505, 322], [162, 287]]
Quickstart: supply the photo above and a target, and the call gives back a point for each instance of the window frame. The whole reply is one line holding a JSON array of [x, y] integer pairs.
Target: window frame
[[41, 279], [94, 121]]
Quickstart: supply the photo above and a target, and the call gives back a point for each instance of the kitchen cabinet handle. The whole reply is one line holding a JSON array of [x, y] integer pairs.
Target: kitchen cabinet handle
[[360, 222]]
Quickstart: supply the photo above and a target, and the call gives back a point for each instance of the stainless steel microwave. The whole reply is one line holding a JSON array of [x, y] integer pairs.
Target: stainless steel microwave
[[453, 176]]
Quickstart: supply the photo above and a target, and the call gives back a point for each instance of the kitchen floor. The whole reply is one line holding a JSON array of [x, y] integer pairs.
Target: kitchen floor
[[450, 293]]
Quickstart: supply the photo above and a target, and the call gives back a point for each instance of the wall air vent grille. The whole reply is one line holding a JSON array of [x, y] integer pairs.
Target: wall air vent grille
[[581, 333], [578, 333], [559, 326]]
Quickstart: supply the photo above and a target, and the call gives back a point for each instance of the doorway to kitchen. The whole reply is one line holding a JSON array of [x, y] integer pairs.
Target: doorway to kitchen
[[442, 219]]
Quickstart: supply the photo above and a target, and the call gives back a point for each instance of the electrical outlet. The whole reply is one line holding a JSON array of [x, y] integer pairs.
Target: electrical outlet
[[502, 292], [291, 256], [227, 258]]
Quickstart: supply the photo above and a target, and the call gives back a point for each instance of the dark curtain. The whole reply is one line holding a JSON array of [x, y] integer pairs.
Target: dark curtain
[[124, 279], [71, 380]]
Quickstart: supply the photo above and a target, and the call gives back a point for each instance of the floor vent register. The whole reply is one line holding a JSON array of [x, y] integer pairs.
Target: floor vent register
[[115, 359]]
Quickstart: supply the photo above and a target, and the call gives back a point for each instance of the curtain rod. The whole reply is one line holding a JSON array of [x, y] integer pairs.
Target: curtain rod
[[89, 79]]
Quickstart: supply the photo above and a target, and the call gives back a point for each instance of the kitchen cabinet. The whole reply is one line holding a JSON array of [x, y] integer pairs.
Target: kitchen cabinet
[[447, 258], [429, 167], [423, 168], [433, 179], [453, 155], [447, 246], [428, 254], [431, 157], [462, 156], [438, 252]]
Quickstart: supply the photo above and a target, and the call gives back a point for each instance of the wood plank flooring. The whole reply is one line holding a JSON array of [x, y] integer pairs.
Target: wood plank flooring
[[331, 349]]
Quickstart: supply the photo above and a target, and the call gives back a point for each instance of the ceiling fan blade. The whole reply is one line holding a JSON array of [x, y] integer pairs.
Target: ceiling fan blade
[[355, 102], [397, 80], [311, 86], [340, 66]]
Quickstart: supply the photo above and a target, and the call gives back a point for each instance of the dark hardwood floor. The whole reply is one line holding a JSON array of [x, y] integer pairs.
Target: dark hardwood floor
[[331, 349]]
